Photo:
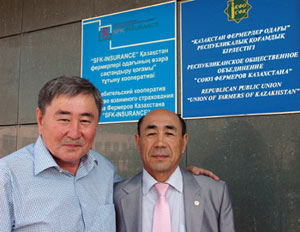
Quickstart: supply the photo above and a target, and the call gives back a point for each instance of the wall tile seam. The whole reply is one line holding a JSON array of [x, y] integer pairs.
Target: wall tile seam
[[13, 125], [20, 72], [40, 29]]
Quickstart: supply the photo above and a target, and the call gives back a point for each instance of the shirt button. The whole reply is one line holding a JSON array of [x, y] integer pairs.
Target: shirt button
[[196, 203], [83, 205]]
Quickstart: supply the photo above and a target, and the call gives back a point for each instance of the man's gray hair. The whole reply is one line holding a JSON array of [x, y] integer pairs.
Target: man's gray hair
[[70, 86]]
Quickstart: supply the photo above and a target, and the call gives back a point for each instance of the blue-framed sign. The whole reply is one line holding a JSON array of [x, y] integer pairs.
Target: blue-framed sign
[[131, 58], [240, 57]]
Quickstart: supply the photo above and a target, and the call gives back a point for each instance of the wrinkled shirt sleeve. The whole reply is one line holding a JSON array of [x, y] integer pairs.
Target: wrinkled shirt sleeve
[[6, 209]]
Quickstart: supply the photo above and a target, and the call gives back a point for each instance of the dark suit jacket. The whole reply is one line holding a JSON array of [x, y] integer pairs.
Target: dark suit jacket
[[207, 204]]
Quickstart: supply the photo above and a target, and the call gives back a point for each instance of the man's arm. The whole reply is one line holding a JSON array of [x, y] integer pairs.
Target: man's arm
[[200, 171], [226, 221], [5, 200]]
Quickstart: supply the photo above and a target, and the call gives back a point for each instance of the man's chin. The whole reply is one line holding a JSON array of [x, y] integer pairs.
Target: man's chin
[[161, 167]]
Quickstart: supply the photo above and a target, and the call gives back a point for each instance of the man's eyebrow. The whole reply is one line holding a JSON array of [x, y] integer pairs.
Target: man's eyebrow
[[169, 127], [151, 127], [62, 112], [87, 115]]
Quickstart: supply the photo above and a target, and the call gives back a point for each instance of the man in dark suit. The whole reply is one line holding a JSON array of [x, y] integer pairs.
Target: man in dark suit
[[195, 203]]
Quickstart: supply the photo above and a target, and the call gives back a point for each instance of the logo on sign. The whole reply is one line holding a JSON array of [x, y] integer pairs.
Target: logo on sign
[[237, 10], [105, 33]]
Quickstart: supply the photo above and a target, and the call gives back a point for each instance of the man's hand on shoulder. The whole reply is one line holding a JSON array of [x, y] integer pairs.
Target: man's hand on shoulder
[[200, 171]]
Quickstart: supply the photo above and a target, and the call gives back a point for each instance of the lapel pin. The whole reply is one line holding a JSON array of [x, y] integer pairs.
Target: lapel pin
[[196, 203]]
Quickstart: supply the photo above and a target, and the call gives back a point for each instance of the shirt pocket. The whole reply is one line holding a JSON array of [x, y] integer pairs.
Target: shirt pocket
[[104, 220]]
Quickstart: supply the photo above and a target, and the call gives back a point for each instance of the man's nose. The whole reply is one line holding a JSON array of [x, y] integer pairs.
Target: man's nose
[[160, 141], [74, 131]]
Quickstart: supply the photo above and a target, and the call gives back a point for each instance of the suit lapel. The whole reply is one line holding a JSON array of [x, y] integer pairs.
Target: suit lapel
[[132, 202], [193, 204]]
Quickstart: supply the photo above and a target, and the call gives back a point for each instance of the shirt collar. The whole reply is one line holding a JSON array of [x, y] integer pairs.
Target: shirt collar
[[175, 180], [44, 160]]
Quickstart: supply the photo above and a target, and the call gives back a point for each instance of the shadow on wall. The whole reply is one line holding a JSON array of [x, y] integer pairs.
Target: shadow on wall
[[247, 165]]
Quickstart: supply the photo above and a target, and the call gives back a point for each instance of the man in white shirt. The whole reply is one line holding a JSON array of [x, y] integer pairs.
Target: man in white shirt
[[195, 203]]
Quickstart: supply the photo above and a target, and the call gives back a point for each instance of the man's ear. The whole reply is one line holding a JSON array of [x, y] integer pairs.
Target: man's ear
[[137, 141], [184, 142], [39, 119]]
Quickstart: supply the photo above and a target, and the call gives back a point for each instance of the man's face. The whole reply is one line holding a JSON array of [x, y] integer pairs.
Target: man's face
[[68, 128], [161, 143]]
